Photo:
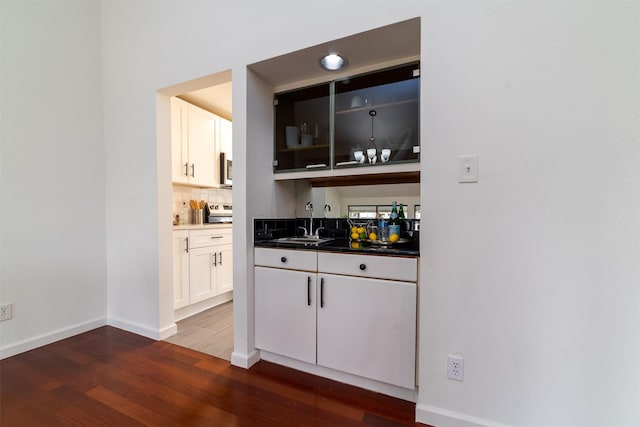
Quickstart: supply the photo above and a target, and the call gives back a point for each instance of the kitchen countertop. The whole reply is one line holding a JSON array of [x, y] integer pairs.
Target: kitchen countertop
[[344, 245], [201, 226]]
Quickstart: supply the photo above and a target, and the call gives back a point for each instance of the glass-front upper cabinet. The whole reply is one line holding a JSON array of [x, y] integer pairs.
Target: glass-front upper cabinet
[[377, 117], [364, 120], [302, 129]]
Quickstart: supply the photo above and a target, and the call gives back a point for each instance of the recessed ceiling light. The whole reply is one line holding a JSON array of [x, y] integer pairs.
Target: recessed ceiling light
[[332, 62]]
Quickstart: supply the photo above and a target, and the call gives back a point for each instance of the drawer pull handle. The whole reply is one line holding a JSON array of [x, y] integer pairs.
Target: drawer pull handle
[[321, 292], [363, 267], [308, 290], [283, 259], [217, 237]]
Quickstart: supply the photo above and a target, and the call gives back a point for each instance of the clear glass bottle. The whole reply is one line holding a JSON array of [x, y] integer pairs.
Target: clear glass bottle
[[394, 223]]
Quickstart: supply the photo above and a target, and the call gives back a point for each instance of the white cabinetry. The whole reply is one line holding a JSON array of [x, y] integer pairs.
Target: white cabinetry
[[286, 312], [375, 319], [208, 266], [339, 311], [202, 265], [180, 268], [194, 134], [226, 139]]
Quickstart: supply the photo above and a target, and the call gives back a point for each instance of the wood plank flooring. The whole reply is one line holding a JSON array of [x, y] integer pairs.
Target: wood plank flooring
[[109, 377], [210, 332]]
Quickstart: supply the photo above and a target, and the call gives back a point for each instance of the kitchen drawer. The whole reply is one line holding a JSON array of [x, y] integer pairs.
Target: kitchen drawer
[[209, 237], [284, 258], [380, 267]]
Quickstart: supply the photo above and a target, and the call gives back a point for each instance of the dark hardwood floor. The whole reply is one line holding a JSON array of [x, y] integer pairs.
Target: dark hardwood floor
[[109, 377]]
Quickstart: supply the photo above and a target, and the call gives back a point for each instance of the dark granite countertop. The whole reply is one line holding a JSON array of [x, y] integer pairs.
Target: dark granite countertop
[[345, 245]]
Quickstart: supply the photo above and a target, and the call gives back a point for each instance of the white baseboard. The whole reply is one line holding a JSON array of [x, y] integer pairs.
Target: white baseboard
[[135, 328], [245, 360], [439, 417], [48, 338], [165, 333], [410, 395]]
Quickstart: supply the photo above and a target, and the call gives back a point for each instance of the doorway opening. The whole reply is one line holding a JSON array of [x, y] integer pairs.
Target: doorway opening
[[201, 204]]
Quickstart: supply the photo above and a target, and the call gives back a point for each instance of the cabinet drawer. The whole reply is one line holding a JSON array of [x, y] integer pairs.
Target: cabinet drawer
[[209, 237], [289, 259], [381, 267]]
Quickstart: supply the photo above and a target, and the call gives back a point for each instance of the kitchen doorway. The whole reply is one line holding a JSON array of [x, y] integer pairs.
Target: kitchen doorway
[[203, 316]]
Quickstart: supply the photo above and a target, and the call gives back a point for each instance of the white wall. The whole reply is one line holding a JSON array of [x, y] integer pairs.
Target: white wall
[[534, 266], [533, 273], [52, 177]]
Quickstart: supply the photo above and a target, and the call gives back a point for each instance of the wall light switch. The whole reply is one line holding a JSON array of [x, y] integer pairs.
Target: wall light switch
[[468, 169]]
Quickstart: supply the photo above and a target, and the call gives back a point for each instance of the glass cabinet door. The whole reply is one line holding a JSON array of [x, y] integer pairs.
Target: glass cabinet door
[[375, 119], [378, 111], [302, 129]]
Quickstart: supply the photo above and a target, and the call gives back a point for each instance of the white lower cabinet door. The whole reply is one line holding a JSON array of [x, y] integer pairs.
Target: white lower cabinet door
[[224, 268], [285, 307], [367, 327], [202, 283], [180, 268]]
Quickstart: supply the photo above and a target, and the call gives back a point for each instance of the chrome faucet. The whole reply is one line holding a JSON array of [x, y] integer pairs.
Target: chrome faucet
[[309, 207]]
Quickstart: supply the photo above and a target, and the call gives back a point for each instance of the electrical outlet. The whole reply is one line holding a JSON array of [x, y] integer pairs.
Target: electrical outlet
[[455, 367], [5, 312]]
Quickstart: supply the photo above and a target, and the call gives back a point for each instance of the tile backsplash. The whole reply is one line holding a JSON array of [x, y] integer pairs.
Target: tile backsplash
[[182, 194]]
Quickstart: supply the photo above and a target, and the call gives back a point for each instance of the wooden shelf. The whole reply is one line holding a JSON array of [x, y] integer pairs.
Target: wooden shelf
[[372, 179]]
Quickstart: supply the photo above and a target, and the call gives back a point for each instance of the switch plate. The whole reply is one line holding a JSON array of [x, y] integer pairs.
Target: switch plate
[[468, 168]]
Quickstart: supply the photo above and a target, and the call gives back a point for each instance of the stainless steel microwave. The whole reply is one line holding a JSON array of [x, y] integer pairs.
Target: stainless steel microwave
[[226, 169]]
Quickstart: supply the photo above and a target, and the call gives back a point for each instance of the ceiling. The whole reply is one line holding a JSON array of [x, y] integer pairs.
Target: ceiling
[[216, 99], [367, 51]]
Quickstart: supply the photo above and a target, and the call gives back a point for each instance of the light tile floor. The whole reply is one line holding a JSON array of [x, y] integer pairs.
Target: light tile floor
[[210, 332]]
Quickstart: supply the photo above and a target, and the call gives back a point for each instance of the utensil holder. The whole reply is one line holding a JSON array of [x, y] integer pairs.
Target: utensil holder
[[197, 216]]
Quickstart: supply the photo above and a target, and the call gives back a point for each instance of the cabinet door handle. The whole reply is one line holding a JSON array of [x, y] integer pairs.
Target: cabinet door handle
[[283, 259], [215, 259], [308, 290], [363, 267], [186, 244], [193, 169], [186, 169], [220, 258], [321, 292]]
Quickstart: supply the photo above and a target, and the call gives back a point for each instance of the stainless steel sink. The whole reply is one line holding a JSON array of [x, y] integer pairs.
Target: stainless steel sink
[[303, 241]]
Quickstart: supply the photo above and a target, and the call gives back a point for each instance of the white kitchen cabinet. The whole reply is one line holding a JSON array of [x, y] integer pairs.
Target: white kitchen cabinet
[[224, 271], [367, 327], [226, 139], [194, 134], [208, 266], [330, 309], [180, 268], [203, 264], [285, 312]]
